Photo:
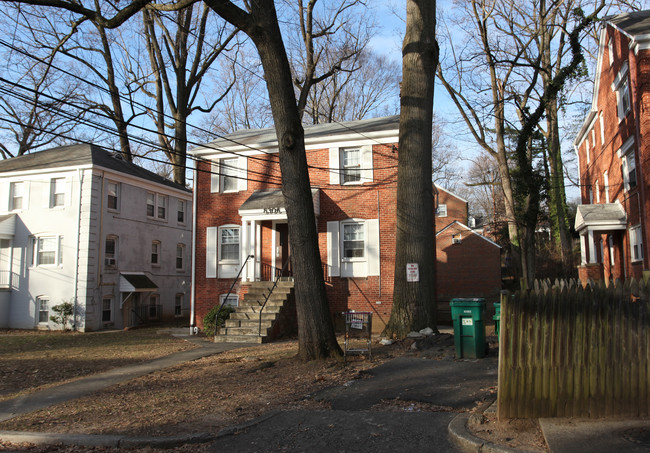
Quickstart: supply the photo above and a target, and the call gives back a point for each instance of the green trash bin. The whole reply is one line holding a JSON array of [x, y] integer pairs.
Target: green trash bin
[[469, 328], [497, 317]]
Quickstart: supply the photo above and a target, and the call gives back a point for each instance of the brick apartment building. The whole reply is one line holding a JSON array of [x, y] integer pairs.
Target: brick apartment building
[[240, 213], [614, 154]]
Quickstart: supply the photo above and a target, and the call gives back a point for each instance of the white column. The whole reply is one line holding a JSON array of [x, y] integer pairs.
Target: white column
[[583, 248], [592, 248], [244, 249], [251, 251]]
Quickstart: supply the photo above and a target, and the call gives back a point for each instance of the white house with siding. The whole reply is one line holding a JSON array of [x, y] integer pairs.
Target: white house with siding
[[79, 224]]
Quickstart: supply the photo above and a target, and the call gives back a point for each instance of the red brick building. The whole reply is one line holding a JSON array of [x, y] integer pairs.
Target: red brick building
[[614, 154], [468, 264], [240, 213]]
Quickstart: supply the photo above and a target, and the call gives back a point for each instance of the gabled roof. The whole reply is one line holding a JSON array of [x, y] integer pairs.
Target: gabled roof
[[636, 25], [633, 24], [603, 216], [465, 227], [450, 193], [264, 140], [80, 155]]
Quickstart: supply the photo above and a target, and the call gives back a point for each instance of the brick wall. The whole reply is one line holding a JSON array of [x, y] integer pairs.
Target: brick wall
[[469, 269]]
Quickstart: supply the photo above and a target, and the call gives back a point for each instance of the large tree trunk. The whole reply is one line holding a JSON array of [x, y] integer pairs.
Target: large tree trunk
[[414, 303], [316, 336]]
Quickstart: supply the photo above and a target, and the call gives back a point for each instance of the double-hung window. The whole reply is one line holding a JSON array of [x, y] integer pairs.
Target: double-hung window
[[46, 251], [353, 240], [110, 252], [156, 206], [229, 244], [43, 310], [17, 194], [180, 212], [57, 191], [442, 210], [622, 88], [636, 243], [178, 305], [107, 309], [351, 165], [155, 253], [112, 189], [229, 175], [180, 252], [353, 248], [628, 164]]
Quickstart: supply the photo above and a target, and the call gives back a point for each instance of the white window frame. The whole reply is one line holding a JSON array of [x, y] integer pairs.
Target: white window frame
[[361, 226], [636, 243], [606, 184], [155, 252], [179, 300], [457, 238], [111, 262], [621, 86], [180, 255], [13, 197], [157, 204], [181, 216], [351, 167], [36, 245], [107, 300], [233, 300], [222, 171], [40, 301], [602, 128], [220, 250], [113, 195], [57, 192], [366, 266], [597, 191], [337, 168], [442, 210], [628, 164]]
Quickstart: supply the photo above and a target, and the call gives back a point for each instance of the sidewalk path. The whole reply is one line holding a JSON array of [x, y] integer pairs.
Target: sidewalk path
[[81, 387]]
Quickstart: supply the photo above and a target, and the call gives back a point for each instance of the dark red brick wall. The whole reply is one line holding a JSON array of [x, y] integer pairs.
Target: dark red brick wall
[[603, 154], [469, 269]]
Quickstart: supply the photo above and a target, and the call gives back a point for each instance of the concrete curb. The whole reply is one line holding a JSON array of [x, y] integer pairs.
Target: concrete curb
[[470, 443], [123, 441]]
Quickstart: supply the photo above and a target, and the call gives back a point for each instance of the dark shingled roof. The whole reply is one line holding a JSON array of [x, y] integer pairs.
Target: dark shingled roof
[[140, 281], [80, 155], [634, 23]]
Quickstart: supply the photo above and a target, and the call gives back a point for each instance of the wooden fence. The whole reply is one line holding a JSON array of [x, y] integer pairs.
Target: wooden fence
[[565, 351]]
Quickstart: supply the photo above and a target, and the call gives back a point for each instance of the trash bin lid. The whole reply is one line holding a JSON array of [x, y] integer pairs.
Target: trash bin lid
[[467, 302]]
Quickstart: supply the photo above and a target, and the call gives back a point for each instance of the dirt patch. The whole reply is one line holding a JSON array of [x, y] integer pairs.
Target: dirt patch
[[31, 360]]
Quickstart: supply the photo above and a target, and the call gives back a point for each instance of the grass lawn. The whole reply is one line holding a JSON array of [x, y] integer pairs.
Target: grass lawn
[[34, 359]]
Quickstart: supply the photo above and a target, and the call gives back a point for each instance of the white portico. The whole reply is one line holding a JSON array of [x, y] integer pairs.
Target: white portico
[[265, 234]]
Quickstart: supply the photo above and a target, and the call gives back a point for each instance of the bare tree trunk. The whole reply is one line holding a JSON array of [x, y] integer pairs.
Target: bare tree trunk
[[414, 303], [316, 336]]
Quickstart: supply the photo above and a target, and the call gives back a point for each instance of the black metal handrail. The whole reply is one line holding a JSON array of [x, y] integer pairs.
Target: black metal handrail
[[275, 283], [216, 317]]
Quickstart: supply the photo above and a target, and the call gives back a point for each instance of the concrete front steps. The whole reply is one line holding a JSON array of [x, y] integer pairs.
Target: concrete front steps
[[243, 325]]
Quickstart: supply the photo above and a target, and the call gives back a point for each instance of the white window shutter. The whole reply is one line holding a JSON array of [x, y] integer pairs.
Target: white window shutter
[[334, 166], [211, 252], [68, 191], [333, 258], [242, 164], [214, 176], [26, 188], [366, 164], [4, 196], [372, 247]]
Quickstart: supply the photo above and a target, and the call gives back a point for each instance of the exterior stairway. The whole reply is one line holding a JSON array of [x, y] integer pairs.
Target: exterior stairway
[[278, 316]]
